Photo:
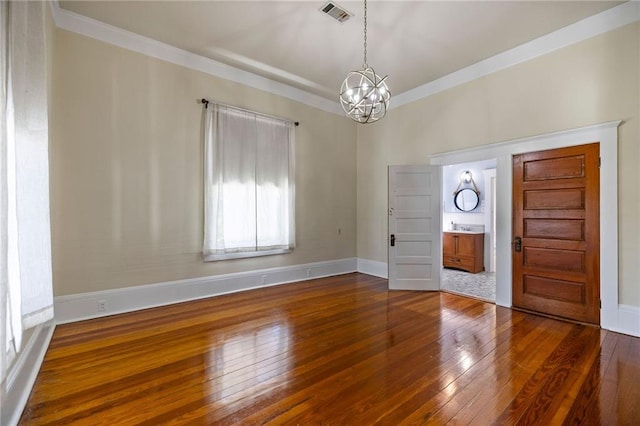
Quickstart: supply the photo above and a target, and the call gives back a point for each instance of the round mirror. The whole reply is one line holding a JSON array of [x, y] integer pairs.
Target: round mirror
[[466, 199]]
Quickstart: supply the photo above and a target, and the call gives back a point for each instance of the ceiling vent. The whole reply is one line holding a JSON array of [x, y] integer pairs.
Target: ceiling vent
[[336, 12]]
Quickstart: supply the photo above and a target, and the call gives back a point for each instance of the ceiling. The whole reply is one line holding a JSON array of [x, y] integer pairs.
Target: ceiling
[[414, 42]]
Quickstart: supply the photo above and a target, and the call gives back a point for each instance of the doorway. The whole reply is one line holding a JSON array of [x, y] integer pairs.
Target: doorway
[[469, 231], [607, 135]]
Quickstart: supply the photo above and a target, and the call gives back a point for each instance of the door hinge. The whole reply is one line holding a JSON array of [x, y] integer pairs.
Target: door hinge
[[600, 304], [599, 161]]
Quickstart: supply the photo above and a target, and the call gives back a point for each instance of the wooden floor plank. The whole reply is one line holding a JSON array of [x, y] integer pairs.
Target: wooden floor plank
[[337, 350]]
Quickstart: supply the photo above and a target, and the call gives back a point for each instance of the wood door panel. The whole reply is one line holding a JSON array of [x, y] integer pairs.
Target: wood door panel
[[554, 229], [556, 213], [554, 199], [546, 305], [554, 184], [554, 168], [561, 260], [567, 291], [554, 244]]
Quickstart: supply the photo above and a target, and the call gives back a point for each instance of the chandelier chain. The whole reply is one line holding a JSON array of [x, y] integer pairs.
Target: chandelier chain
[[365, 35]]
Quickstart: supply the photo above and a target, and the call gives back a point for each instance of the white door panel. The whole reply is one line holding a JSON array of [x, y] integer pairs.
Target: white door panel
[[414, 227]]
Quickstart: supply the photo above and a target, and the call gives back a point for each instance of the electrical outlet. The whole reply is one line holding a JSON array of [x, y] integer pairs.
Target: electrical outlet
[[102, 305], [308, 272], [264, 279], [339, 231]]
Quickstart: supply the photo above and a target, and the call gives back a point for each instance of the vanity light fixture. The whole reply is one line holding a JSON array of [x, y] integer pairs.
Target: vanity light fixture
[[466, 199], [466, 178]]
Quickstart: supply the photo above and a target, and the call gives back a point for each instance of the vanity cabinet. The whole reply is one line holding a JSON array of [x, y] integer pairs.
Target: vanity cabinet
[[463, 250]]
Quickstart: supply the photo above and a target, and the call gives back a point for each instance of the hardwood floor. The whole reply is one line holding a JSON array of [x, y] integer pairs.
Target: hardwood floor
[[339, 350]]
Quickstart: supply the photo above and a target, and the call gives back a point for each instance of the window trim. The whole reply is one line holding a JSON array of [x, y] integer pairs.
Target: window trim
[[244, 254]]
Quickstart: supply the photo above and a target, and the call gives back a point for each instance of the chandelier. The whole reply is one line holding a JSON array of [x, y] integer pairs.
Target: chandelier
[[364, 96]]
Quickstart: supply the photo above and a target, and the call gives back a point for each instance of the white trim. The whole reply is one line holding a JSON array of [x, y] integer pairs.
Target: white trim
[[628, 320], [243, 254], [80, 24], [522, 145], [24, 372], [592, 26], [490, 233], [607, 135], [373, 267], [78, 307]]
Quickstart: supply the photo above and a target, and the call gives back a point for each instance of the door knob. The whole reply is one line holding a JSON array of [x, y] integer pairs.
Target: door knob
[[517, 244]]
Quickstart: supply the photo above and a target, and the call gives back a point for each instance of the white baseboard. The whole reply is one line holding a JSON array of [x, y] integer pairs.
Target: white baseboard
[[78, 307], [24, 372], [372, 267], [628, 320]]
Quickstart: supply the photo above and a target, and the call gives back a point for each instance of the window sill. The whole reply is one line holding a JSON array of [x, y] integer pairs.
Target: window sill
[[242, 255]]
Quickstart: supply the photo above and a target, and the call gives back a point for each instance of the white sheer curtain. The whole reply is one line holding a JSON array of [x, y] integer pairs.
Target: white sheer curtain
[[249, 183], [25, 263]]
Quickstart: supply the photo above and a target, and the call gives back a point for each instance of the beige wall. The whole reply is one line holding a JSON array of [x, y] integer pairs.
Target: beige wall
[[592, 82], [126, 201], [126, 168]]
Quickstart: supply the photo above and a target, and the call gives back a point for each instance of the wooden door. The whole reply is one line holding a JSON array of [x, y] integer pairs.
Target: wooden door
[[556, 229], [414, 227]]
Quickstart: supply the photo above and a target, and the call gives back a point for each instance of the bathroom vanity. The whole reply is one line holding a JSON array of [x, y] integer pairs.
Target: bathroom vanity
[[463, 250]]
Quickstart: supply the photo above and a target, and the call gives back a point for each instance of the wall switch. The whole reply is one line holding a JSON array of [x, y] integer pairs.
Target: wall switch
[[264, 279], [308, 272], [102, 305]]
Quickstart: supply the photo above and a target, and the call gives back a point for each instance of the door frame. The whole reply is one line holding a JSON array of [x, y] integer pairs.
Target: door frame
[[490, 195], [607, 135]]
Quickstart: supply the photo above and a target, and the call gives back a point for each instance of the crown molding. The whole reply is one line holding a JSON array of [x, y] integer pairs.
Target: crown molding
[[611, 19], [89, 27]]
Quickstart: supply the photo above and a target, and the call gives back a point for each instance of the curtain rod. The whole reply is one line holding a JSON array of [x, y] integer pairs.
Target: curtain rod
[[206, 103]]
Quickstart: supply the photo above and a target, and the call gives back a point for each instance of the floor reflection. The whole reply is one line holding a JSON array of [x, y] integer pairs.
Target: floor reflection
[[246, 359]]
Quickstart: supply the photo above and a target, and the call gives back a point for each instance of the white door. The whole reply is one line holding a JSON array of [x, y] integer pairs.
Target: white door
[[415, 258]]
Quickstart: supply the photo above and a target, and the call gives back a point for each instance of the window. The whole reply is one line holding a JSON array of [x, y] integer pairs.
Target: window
[[249, 184]]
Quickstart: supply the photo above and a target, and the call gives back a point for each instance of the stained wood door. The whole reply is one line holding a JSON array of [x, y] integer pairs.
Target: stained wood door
[[414, 227], [556, 229]]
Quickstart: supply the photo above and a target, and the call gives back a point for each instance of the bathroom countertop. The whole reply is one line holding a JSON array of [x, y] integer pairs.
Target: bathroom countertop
[[457, 231]]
